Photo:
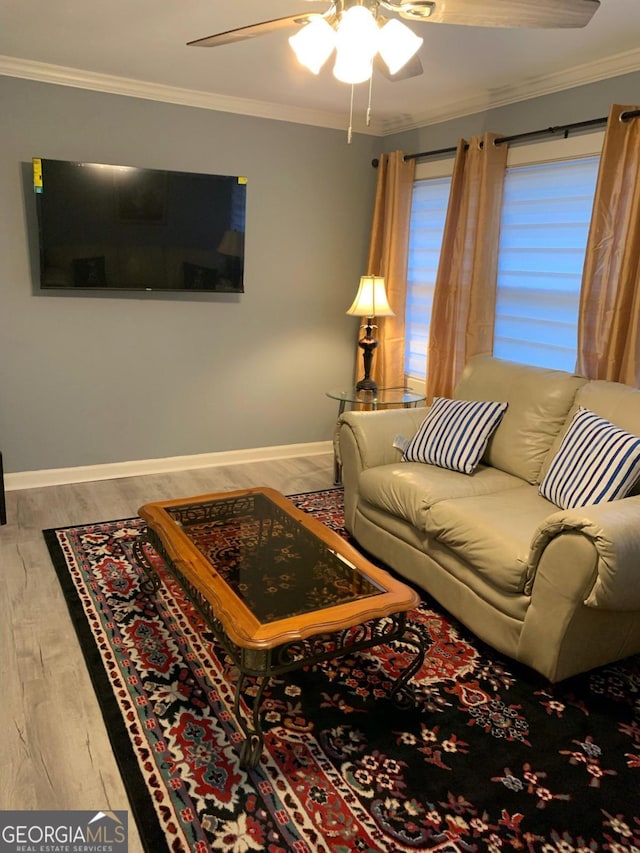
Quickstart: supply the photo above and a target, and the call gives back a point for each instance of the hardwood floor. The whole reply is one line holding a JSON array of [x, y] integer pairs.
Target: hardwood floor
[[54, 750]]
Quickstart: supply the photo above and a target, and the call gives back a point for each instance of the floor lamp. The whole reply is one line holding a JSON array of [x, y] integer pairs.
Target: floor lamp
[[370, 302]]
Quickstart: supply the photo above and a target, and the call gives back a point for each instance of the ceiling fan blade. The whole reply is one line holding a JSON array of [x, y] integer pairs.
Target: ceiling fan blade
[[413, 68], [504, 13], [261, 29]]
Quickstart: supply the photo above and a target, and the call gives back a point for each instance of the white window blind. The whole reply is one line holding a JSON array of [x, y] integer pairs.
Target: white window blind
[[545, 223], [428, 213]]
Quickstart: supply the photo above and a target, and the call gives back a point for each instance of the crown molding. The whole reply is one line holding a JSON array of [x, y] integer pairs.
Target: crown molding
[[480, 101], [61, 75], [533, 87]]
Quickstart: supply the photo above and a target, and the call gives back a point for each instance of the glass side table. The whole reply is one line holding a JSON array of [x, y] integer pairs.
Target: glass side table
[[384, 398]]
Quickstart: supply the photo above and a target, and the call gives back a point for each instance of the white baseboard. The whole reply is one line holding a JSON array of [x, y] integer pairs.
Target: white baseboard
[[135, 468]]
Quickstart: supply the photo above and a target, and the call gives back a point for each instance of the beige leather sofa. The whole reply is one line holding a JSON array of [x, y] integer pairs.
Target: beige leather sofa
[[558, 590]]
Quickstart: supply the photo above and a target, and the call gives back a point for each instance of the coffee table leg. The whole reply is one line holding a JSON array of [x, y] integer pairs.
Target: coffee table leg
[[151, 581], [251, 750], [402, 694]]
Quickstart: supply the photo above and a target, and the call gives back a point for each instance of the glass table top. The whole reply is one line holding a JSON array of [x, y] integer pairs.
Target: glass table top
[[382, 397], [274, 564]]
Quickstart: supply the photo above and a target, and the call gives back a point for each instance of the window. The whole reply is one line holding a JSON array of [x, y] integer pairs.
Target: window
[[546, 210], [428, 212], [548, 197]]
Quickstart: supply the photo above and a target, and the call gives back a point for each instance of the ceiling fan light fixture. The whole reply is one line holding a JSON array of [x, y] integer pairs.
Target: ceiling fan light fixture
[[313, 44], [397, 44]]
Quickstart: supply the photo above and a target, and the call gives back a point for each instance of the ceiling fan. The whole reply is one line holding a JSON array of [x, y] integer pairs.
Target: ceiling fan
[[364, 39], [318, 34]]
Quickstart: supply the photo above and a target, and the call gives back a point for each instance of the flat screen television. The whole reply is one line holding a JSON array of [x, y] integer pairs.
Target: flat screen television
[[104, 227]]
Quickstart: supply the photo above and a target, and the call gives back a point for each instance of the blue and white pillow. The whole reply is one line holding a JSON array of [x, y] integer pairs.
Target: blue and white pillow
[[455, 433], [595, 462]]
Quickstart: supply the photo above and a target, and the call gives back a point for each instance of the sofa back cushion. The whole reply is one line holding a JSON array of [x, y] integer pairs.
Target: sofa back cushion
[[617, 403], [539, 401]]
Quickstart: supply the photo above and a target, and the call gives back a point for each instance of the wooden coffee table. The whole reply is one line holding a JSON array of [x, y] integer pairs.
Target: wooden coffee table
[[279, 590]]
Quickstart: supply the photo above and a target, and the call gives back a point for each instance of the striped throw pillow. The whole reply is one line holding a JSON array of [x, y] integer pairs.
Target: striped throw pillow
[[595, 462], [455, 433]]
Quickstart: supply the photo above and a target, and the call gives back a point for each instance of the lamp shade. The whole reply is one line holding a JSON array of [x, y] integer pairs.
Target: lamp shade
[[371, 298]]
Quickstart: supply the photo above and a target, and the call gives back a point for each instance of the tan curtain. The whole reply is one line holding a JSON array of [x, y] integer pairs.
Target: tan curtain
[[463, 313], [388, 252], [609, 319]]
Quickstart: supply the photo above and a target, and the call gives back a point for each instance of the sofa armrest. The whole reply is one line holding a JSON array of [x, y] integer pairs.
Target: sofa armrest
[[375, 432], [366, 441], [614, 530]]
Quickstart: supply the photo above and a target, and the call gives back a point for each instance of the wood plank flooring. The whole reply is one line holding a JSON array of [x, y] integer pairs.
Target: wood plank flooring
[[54, 749]]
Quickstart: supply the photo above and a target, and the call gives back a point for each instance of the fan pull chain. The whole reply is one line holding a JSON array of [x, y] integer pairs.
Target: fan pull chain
[[369, 104], [350, 131]]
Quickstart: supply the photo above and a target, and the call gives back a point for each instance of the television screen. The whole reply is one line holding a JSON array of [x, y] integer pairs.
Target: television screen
[[107, 227]]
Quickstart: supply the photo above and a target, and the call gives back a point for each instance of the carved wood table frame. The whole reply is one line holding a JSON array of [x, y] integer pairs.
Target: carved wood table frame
[[230, 553]]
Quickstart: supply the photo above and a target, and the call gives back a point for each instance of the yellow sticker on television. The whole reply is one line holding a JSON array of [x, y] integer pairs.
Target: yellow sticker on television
[[242, 180], [37, 175]]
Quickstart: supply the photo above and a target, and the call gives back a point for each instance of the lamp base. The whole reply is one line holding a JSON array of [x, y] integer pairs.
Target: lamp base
[[367, 344], [367, 384]]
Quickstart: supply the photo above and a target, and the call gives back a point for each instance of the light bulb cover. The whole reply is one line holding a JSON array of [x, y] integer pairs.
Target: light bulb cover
[[358, 32], [352, 69], [356, 45], [313, 43], [397, 44]]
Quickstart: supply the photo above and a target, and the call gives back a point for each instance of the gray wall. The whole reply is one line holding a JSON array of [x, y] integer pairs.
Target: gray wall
[[89, 380]]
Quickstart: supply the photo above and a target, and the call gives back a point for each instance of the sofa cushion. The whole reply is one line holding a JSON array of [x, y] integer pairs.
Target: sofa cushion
[[409, 489], [455, 433], [539, 401], [492, 533], [596, 462]]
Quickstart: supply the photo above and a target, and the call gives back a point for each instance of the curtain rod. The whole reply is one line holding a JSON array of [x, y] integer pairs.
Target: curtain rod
[[518, 137]]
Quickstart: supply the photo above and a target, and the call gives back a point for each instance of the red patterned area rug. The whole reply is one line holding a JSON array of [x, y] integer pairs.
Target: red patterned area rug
[[491, 759]]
